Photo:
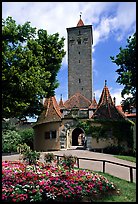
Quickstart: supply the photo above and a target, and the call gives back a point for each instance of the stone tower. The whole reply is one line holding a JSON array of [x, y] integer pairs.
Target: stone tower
[[80, 41]]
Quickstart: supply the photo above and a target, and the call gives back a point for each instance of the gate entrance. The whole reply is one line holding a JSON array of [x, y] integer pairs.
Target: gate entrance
[[77, 135]]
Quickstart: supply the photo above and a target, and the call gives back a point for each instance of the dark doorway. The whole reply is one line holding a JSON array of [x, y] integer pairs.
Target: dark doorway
[[75, 134]]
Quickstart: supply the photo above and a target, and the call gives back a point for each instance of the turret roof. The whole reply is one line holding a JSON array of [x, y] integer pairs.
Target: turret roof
[[80, 22], [106, 108], [51, 112], [93, 104]]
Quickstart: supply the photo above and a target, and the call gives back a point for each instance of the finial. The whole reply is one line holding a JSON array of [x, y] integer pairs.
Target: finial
[[80, 14], [114, 99], [105, 82], [61, 96], [94, 95]]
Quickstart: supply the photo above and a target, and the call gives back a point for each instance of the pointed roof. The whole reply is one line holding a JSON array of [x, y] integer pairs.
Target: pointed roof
[[93, 104], [78, 101], [106, 108], [105, 96], [80, 22], [51, 112], [61, 104]]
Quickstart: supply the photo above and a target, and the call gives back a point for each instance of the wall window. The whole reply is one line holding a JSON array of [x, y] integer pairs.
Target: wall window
[[79, 41], [79, 80], [50, 134]]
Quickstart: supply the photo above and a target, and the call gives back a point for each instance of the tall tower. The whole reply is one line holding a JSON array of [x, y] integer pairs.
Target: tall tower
[[80, 41]]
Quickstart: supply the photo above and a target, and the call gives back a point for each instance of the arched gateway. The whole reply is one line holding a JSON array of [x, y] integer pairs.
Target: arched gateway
[[77, 135]]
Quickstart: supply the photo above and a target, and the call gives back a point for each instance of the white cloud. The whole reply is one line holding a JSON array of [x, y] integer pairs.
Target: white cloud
[[57, 16]]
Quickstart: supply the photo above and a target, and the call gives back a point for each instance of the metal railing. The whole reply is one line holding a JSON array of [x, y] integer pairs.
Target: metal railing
[[104, 162]]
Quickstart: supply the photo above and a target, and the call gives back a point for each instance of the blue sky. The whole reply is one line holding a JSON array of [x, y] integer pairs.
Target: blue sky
[[113, 23]]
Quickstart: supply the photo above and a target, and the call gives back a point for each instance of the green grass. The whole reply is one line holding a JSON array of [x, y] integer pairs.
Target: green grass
[[128, 158], [127, 192]]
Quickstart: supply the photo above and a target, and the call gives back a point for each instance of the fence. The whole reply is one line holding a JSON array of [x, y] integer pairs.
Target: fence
[[104, 162]]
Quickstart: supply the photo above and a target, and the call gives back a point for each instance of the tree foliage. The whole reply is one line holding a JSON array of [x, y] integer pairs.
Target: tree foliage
[[31, 60], [126, 60]]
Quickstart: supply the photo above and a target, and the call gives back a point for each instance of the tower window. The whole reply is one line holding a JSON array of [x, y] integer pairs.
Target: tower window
[[79, 61], [79, 41], [79, 81], [79, 53], [79, 32]]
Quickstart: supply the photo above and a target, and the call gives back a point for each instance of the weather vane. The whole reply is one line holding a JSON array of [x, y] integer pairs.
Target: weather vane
[[80, 14]]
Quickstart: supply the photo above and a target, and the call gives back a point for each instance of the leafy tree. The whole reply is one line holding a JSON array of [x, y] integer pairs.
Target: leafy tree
[[27, 136], [10, 140], [126, 60], [31, 60]]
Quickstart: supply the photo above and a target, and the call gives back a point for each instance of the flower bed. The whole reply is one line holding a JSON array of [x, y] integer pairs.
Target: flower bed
[[21, 182]]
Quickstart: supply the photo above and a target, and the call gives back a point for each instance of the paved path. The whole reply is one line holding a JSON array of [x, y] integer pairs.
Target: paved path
[[115, 170]]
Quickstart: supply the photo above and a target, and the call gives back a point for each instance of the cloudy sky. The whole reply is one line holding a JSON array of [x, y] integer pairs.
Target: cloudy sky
[[112, 22]]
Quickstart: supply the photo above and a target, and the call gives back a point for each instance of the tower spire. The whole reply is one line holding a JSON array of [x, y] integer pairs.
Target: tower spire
[[80, 23], [80, 14]]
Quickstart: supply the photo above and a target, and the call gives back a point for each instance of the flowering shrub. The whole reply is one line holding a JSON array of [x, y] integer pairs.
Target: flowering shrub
[[21, 183], [28, 155], [68, 161], [49, 157]]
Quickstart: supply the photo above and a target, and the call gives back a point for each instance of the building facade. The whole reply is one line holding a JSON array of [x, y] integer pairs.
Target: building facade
[[58, 125]]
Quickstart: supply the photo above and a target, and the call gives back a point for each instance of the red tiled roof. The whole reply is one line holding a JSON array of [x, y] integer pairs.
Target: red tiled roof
[[106, 108], [78, 101], [119, 107], [80, 22], [93, 104], [61, 104], [130, 114], [105, 97], [51, 111]]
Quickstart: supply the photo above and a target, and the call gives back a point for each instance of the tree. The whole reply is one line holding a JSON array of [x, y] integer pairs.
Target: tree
[[31, 60], [126, 60]]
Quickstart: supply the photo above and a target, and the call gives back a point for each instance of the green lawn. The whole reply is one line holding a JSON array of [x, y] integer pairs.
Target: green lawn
[[127, 190], [128, 158]]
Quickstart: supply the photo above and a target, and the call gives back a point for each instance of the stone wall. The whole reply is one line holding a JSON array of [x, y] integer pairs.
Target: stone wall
[[80, 61]]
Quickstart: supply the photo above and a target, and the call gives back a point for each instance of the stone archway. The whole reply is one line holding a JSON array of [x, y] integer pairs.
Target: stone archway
[[75, 136]]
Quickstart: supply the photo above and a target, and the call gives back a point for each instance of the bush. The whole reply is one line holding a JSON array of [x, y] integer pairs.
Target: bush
[[68, 161], [27, 136], [28, 155], [10, 141], [49, 157]]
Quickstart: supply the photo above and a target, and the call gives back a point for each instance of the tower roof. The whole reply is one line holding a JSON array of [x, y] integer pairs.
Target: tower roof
[[78, 101], [80, 22], [51, 112], [61, 104], [106, 108], [93, 104]]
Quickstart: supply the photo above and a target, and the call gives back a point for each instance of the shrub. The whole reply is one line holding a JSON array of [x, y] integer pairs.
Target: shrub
[[114, 150], [49, 157], [10, 140], [27, 136], [28, 155], [68, 161], [31, 157]]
